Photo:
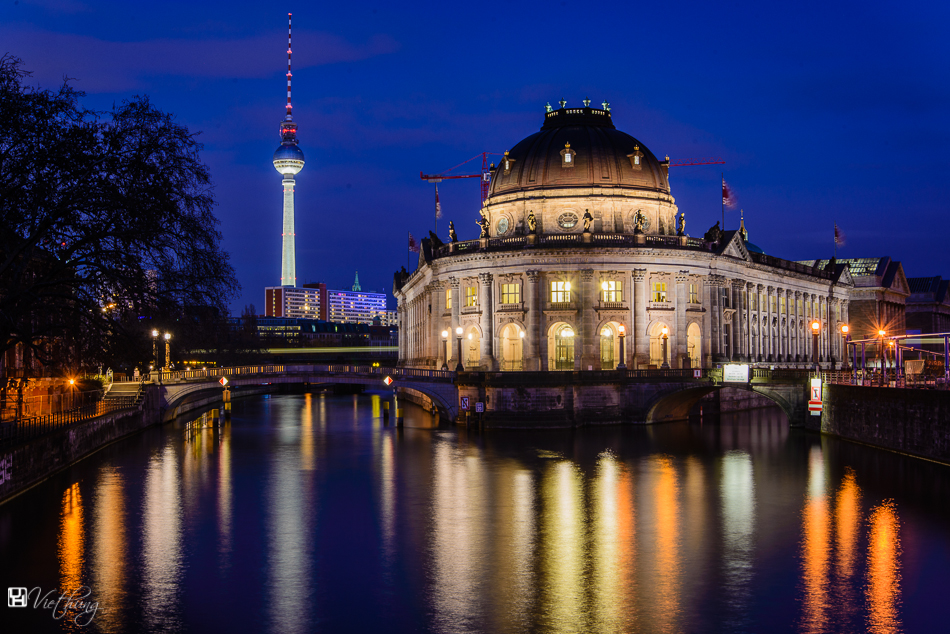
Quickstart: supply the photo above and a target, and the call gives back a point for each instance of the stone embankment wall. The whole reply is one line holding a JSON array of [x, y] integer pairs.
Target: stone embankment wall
[[31, 463], [38, 459], [915, 422], [733, 400]]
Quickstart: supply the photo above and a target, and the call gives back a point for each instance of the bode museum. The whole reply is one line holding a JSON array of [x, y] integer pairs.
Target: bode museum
[[583, 264]]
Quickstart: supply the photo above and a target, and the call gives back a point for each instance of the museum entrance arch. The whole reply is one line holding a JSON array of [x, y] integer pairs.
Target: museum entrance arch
[[512, 347], [561, 338]]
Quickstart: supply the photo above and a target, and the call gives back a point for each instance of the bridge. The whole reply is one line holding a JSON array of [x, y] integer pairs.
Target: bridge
[[638, 396]]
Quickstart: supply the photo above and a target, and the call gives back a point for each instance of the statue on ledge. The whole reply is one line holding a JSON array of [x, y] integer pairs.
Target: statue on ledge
[[532, 223], [714, 234], [587, 220], [453, 237], [483, 223], [682, 228]]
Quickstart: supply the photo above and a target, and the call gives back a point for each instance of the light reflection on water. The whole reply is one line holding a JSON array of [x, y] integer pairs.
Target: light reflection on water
[[331, 520]]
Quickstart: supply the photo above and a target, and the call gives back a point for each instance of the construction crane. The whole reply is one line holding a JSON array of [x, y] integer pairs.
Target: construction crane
[[715, 160], [485, 174]]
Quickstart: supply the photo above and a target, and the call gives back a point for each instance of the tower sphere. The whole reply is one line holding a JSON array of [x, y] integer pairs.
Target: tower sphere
[[288, 159]]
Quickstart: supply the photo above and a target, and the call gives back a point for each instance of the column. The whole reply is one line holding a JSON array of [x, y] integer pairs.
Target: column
[[589, 359], [639, 338], [437, 307], [798, 331], [742, 324], [456, 303], [678, 338], [401, 315], [532, 344], [485, 321], [713, 284]]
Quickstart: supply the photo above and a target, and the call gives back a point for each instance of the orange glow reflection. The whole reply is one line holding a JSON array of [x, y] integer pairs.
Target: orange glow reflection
[[109, 547], [307, 461], [816, 540], [563, 541], [667, 578], [71, 540], [614, 585], [884, 577], [847, 532]]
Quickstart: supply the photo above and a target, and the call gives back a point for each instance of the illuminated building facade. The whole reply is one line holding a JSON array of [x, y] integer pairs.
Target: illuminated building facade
[[582, 243]]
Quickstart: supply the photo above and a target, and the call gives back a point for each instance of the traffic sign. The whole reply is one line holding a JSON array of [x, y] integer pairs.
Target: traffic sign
[[465, 403], [223, 381], [388, 380], [814, 408], [479, 407]]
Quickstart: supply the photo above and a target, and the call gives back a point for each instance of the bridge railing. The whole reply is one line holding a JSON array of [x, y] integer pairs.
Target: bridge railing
[[333, 368]]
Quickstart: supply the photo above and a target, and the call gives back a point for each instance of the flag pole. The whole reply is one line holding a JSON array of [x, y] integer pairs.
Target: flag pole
[[835, 252], [722, 179], [409, 255], [436, 211]]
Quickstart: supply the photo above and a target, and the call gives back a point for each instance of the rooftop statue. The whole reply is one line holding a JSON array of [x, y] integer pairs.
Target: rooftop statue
[[714, 234], [453, 237], [483, 223], [532, 223], [682, 228], [587, 220]]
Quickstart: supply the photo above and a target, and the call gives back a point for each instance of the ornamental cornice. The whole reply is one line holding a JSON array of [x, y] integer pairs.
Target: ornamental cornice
[[454, 283], [639, 275], [770, 290], [587, 274], [738, 284], [716, 281], [484, 278], [533, 275]]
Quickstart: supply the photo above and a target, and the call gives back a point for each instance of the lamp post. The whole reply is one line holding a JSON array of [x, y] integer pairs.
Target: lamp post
[[845, 332], [623, 357], [892, 354], [458, 337], [155, 346], [168, 350], [815, 331], [666, 332], [881, 334], [445, 339]]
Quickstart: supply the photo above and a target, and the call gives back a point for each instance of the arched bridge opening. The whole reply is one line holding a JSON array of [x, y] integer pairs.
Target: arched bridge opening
[[676, 404]]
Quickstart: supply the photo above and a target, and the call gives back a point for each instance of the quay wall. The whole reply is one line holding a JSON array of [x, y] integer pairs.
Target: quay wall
[[26, 465], [915, 422]]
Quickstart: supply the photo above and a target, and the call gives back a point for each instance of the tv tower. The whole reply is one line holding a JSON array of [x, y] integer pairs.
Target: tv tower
[[288, 160]]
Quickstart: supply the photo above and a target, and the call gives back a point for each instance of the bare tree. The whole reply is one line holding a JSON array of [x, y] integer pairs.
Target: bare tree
[[106, 219]]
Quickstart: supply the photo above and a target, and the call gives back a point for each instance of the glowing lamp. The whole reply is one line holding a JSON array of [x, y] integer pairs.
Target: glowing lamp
[[845, 329], [445, 334], [622, 329], [815, 326], [665, 331], [521, 334], [881, 333]]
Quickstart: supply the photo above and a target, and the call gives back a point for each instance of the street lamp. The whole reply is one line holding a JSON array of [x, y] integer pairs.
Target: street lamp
[[623, 356], [845, 331], [881, 334], [155, 346], [168, 350], [666, 332], [445, 339], [892, 354], [815, 330], [458, 336]]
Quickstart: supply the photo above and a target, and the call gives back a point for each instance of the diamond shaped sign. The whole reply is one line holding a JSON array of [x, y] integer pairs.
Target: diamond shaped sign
[[223, 381]]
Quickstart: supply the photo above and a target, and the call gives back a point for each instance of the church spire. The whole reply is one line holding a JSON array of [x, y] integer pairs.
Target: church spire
[[356, 282]]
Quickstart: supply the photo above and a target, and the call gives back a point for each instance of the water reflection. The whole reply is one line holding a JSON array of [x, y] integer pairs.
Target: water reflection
[[562, 548], [288, 527], [884, 570], [737, 492], [162, 540], [816, 546], [109, 550], [459, 522], [666, 529], [71, 540]]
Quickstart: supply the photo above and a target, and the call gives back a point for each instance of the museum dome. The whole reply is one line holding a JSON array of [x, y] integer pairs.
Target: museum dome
[[579, 147]]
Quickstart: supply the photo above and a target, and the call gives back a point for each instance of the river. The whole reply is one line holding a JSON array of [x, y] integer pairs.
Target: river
[[309, 513]]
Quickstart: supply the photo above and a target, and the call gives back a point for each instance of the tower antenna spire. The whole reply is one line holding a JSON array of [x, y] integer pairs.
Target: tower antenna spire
[[289, 74]]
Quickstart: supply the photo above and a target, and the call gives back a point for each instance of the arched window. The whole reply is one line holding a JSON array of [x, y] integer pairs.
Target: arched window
[[608, 353], [512, 346], [564, 348], [694, 345]]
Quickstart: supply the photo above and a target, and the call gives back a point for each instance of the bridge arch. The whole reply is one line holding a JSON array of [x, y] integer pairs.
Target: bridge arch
[[676, 404]]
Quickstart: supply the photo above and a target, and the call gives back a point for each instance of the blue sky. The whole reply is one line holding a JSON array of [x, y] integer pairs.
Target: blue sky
[[823, 112]]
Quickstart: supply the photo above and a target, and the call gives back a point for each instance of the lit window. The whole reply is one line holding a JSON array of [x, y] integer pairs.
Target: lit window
[[448, 299], [611, 291], [659, 291], [567, 156], [755, 300], [781, 304], [798, 306], [693, 294], [510, 293], [471, 296], [771, 303], [762, 300], [560, 292]]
